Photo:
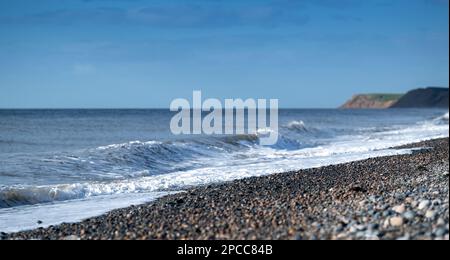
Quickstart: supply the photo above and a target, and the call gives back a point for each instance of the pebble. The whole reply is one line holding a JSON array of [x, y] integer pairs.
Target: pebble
[[373, 227], [440, 222], [362, 203], [409, 215], [387, 213], [424, 204], [430, 214], [437, 202], [339, 229], [441, 232], [373, 199], [396, 221], [400, 196], [400, 209]]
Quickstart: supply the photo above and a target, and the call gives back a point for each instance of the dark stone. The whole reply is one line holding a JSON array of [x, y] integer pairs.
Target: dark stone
[[422, 168], [358, 189]]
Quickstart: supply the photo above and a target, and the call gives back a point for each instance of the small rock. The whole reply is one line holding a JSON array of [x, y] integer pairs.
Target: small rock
[[437, 202], [409, 215], [361, 227], [424, 204], [399, 196], [358, 189], [387, 213], [409, 200], [441, 232], [376, 215], [386, 223], [39, 222], [353, 229], [385, 207], [373, 227], [339, 229], [373, 198], [400, 209], [422, 168], [396, 221], [430, 214]]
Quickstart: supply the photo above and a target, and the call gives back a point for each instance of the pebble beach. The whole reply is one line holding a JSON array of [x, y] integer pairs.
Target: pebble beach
[[403, 197]]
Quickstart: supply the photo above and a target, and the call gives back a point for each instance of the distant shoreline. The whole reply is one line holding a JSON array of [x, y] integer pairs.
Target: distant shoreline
[[396, 197]]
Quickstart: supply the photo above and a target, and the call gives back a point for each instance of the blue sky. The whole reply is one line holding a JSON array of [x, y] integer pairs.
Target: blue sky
[[144, 53]]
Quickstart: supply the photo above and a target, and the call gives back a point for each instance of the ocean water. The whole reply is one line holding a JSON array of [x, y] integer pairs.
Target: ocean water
[[67, 165]]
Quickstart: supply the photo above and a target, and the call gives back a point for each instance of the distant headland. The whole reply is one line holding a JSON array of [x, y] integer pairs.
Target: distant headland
[[430, 97]]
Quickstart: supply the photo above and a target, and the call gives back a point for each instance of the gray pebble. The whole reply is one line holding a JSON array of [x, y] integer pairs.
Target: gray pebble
[[409, 215], [440, 232]]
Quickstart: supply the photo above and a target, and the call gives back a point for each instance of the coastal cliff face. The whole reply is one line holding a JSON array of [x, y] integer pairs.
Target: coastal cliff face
[[431, 97], [372, 101]]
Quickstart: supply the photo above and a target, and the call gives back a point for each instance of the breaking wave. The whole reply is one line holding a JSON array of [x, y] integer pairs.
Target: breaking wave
[[298, 126], [442, 119], [153, 166]]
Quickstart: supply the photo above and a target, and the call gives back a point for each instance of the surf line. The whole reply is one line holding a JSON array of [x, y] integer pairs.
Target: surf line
[[241, 117]]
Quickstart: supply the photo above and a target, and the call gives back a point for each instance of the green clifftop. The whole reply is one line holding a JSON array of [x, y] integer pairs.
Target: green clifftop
[[372, 101], [431, 97]]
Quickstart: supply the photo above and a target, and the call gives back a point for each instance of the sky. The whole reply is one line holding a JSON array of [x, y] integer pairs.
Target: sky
[[145, 53]]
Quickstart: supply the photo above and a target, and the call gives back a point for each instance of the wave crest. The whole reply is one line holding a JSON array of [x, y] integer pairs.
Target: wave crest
[[299, 126], [444, 119]]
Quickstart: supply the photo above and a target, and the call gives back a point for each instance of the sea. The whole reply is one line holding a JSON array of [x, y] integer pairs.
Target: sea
[[59, 166]]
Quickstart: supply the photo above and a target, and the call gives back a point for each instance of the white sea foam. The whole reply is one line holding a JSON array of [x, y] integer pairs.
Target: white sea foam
[[128, 145], [444, 117], [27, 217], [297, 125]]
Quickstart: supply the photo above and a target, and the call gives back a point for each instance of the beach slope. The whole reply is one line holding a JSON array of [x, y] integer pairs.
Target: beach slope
[[397, 197]]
